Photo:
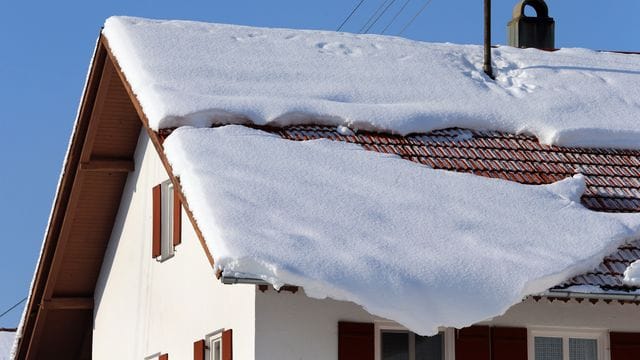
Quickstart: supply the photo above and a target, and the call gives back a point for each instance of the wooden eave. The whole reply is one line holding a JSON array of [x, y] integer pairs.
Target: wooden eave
[[58, 321]]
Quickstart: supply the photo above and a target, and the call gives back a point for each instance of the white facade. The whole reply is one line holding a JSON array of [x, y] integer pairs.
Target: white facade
[[143, 306]]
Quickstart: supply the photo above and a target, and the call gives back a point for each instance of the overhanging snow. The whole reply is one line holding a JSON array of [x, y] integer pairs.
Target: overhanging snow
[[423, 247]]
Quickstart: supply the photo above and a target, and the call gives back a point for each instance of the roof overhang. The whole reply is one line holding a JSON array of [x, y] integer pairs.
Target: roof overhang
[[59, 313]]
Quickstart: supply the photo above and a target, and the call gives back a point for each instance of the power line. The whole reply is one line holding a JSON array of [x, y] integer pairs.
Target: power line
[[395, 16], [379, 16], [414, 17], [373, 16], [13, 307], [350, 15]]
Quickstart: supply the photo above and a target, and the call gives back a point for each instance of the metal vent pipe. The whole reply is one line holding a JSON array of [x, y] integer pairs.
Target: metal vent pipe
[[487, 67]]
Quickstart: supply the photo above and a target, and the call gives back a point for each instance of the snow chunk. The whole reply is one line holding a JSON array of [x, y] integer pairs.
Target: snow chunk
[[632, 274], [423, 247], [6, 343], [190, 73]]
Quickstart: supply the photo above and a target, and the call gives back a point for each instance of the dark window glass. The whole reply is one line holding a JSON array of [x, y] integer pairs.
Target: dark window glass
[[395, 346], [429, 347]]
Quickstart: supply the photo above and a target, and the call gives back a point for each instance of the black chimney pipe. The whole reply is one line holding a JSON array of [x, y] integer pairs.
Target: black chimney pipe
[[488, 69]]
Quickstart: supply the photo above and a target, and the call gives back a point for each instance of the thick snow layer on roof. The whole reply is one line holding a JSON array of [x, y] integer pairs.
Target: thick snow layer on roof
[[632, 274], [423, 247], [6, 343], [190, 73]]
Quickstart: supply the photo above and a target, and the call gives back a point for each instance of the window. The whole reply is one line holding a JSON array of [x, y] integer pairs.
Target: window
[[166, 221], [566, 345], [394, 342], [405, 345], [214, 344]]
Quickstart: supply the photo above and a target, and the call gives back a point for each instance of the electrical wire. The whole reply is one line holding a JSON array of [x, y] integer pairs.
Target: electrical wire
[[379, 16], [414, 17], [373, 16], [395, 16], [350, 15], [13, 307]]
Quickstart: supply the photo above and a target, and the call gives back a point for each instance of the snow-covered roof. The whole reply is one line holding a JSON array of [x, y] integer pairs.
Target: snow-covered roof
[[423, 247], [6, 343], [632, 274], [190, 73]]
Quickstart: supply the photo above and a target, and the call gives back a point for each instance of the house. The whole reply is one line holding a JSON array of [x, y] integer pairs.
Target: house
[[176, 235]]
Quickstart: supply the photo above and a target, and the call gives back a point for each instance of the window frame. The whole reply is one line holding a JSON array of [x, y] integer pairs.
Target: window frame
[[209, 341], [600, 335], [167, 248], [385, 325]]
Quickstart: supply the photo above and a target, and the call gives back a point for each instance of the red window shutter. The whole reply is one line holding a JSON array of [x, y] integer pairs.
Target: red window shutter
[[198, 350], [624, 346], [473, 343], [156, 249], [177, 218], [355, 341], [163, 357], [508, 343], [227, 345]]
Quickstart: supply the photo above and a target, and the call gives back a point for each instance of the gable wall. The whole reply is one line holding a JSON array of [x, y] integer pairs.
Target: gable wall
[[143, 306]]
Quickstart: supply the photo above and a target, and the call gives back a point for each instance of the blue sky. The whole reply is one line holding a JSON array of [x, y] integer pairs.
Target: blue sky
[[46, 46]]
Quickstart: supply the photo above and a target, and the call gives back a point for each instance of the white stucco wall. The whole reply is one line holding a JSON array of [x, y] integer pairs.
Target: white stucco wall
[[294, 326], [572, 315], [145, 307]]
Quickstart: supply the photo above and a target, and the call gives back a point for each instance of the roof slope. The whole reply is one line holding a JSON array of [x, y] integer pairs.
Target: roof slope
[[190, 73]]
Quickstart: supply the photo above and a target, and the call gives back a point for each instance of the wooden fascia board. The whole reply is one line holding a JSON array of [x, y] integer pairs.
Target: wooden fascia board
[[34, 315], [157, 144]]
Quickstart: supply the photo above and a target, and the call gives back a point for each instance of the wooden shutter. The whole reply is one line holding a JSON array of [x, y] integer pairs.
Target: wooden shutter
[[227, 345], [473, 343], [624, 346], [156, 247], [163, 357], [198, 350], [355, 341], [508, 343], [177, 217]]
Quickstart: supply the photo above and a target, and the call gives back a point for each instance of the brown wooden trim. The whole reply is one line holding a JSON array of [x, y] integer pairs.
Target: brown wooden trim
[[198, 350], [68, 303], [227, 345], [30, 338], [108, 165], [156, 241], [163, 357], [177, 217], [157, 143]]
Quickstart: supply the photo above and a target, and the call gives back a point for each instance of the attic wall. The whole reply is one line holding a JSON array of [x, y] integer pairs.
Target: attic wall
[[143, 306]]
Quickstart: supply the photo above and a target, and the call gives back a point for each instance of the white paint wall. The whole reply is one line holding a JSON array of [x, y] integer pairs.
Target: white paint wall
[[293, 326], [143, 306], [543, 313]]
